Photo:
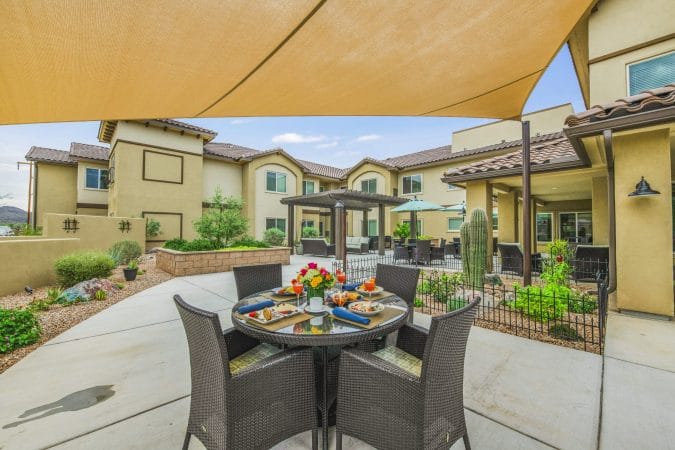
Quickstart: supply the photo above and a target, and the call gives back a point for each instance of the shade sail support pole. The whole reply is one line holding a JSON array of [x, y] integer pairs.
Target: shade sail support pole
[[527, 223], [291, 228]]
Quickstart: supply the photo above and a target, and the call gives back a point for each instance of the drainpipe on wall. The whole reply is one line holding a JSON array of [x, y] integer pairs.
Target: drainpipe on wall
[[609, 155]]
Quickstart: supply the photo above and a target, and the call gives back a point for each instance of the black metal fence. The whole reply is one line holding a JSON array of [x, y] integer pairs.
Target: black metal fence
[[573, 317]]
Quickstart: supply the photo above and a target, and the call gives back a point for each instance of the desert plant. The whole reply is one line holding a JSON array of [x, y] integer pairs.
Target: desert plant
[[474, 235], [101, 295], [18, 328], [310, 232], [274, 237], [53, 294], [76, 267], [402, 230], [223, 221], [124, 251], [152, 228], [133, 265]]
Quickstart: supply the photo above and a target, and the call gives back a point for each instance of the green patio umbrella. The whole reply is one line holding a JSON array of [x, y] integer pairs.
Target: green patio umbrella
[[413, 206]]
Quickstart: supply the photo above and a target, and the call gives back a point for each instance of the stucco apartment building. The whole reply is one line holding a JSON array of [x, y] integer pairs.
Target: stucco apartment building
[[167, 170]]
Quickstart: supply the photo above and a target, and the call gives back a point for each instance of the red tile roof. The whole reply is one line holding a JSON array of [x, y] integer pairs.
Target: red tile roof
[[323, 170], [543, 155], [651, 99], [88, 151], [50, 155], [226, 150]]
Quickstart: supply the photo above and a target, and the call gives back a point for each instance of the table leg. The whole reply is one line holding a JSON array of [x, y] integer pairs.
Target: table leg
[[324, 393]]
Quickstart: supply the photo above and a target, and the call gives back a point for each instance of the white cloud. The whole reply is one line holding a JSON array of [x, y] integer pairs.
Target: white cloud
[[327, 145], [295, 138], [368, 137], [241, 121]]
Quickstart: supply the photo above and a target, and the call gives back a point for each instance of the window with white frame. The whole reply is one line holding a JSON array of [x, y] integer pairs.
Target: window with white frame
[[651, 73], [412, 184], [96, 178], [307, 187], [369, 185], [576, 226], [275, 222], [276, 181], [544, 227]]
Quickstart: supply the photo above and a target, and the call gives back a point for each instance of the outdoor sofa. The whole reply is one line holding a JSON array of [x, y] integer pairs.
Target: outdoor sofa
[[358, 244], [317, 247]]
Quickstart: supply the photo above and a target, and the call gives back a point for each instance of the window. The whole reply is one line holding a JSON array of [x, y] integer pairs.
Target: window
[[412, 184], [307, 187], [452, 187], [576, 227], [96, 178], [322, 188], [307, 223], [275, 222], [454, 223], [651, 73], [544, 227], [419, 226], [372, 227], [495, 221], [369, 186], [276, 182]]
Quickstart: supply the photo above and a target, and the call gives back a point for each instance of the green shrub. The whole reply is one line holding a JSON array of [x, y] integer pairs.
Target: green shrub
[[18, 328], [124, 251], [53, 294], [76, 267], [175, 244], [200, 245], [274, 237], [582, 304], [100, 295], [224, 220], [310, 232], [152, 228], [541, 303], [565, 332], [248, 241]]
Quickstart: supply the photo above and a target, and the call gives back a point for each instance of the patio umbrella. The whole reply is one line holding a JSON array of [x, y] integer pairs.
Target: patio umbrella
[[459, 207], [413, 206]]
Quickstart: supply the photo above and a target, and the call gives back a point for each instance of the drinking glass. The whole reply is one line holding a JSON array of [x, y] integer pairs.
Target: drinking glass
[[369, 285], [298, 288], [342, 278]]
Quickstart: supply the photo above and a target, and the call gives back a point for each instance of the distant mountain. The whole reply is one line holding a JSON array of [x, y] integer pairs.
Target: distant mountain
[[12, 214]]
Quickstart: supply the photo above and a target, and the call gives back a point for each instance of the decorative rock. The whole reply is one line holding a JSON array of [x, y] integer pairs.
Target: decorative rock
[[86, 290]]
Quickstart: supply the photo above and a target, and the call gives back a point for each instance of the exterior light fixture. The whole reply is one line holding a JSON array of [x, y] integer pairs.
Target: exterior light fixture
[[642, 189]]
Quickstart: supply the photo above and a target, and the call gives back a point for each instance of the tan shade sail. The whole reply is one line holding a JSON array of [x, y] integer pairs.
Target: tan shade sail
[[91, 60]]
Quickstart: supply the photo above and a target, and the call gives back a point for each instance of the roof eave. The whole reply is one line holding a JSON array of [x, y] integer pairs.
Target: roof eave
[[538, 168]]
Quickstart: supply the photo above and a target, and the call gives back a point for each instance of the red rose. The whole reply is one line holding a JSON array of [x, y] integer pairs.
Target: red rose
[[303, 272], [559, 258], [312, 265]]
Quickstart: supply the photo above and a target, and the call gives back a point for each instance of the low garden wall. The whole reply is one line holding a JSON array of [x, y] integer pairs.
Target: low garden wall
[[95, 232], [195, 263]]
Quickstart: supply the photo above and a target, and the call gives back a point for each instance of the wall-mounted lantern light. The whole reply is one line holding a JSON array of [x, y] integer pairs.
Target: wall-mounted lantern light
[[642, 189]]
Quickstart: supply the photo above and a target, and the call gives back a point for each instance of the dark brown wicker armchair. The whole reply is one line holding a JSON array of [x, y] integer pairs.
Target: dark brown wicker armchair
[[438, 253], [317, 247], [408, 396], [252, 279], [236, 400], [589, 261], [401, 281], [422, 252]]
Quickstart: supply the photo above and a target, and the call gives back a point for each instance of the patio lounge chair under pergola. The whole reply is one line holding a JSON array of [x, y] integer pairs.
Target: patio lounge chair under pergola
[[350, 200]]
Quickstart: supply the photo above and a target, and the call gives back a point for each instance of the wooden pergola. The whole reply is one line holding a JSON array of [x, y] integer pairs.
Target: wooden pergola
[[339, 201]]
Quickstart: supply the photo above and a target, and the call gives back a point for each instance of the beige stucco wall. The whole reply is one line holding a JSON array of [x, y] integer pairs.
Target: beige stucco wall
[[92, 211], [56, 190], [260, 204], [600, 212], [220, 173], [479, 195], [545, 121], [30, 262], [508, 217], [139, 133], [644, 250], [385, 177], [132, 196], [609, 78], [95, 232], [88, 195]]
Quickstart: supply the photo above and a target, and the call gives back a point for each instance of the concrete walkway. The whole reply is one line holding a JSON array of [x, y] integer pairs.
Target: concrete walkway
[[121, 380]]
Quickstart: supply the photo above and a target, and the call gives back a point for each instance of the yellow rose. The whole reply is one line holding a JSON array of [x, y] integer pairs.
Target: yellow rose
[[316, 281]]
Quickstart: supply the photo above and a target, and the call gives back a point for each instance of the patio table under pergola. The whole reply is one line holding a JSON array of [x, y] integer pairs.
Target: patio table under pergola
[[343, 199]]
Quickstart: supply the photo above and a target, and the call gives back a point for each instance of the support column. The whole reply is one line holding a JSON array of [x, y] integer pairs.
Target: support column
[[508, 217], [527, 223], [380, 229], [339, 230], [364, 224], [533, 221], [332, 225], [291, 228], [599, 205], [479, 195]]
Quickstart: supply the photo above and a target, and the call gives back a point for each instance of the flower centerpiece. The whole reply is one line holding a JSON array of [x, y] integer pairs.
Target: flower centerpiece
[[316, 280]]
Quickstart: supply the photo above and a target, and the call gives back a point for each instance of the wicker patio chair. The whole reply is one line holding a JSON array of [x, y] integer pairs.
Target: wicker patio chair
[[252, 279], [401, 281], [590, 260], [401, 253], [511, 258], [317, 247], [438, 253], [422, 252], [408, 396], [236, 400]]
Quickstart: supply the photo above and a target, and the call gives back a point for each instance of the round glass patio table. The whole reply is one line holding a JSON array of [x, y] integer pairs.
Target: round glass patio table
[[323, 331]]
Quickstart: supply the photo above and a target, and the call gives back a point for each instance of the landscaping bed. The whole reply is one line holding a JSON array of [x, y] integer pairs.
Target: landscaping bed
[[59, 317], [194, 263]]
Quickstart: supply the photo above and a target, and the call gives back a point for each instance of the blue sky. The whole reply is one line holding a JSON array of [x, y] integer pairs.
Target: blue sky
[[338, 141]]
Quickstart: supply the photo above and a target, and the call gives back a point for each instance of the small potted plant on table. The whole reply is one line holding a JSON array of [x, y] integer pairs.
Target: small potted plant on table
[[131, 270]]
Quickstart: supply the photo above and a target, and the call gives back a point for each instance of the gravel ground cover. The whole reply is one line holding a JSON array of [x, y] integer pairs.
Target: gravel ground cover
[[59, 318]]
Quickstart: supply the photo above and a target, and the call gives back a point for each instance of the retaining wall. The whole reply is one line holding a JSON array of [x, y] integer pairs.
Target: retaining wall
[[195, 263]]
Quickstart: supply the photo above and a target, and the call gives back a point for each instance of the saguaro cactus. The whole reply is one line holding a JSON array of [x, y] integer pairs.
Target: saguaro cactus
[[474, 235]]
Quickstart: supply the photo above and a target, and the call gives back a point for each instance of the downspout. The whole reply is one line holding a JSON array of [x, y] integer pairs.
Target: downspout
[[35, 198], [609, 155]]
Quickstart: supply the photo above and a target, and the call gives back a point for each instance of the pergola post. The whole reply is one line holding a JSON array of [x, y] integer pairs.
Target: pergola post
[[333, 212], [380, 229], [527, 222], [291, 228], [413, 225], [364, 224], [339, 212]]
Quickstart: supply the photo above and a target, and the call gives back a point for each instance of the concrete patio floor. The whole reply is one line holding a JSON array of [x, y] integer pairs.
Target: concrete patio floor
[[121, 380]]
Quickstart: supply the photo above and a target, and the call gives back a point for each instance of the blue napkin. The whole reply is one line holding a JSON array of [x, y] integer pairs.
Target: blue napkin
[[255, 307], [344, 313], [351, 287]]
